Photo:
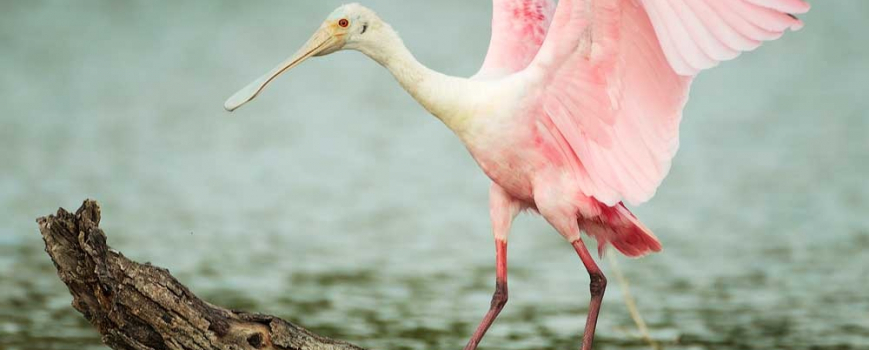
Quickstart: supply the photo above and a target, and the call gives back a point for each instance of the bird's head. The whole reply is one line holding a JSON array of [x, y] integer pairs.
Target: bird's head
[[350, 27]]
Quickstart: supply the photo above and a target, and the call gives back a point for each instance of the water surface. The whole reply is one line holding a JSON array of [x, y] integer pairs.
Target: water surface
[[336, 202]]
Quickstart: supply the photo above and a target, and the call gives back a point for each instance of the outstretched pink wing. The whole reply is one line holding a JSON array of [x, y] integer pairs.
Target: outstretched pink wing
[[698, 34], [615, 76], [518, 29]]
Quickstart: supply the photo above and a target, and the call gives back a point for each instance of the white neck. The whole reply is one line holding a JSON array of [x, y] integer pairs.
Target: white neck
[[446, 97]]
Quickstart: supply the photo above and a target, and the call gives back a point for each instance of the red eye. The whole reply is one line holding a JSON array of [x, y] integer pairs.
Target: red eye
[[343, 23]]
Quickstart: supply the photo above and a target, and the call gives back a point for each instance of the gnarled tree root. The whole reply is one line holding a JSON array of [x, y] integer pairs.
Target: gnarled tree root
[[142, 307]]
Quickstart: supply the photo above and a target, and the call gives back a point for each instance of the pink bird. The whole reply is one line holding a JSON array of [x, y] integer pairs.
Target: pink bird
[[575, 111]]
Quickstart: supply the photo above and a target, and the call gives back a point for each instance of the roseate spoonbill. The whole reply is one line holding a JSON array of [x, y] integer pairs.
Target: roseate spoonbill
[[575, 111]]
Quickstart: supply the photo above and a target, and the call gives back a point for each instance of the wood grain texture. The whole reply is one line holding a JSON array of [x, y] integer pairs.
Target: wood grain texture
[[142, 307]]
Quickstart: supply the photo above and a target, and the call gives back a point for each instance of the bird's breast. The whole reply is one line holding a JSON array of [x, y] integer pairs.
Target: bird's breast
[[517, 150], [508, 152]]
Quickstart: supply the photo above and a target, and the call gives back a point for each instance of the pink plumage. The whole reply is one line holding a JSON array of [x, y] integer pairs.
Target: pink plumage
[[613, 77], [518, 30]]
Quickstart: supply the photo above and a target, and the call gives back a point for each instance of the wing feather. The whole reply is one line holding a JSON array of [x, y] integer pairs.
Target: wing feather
[[698, 34], [519, 28], [615, 77]]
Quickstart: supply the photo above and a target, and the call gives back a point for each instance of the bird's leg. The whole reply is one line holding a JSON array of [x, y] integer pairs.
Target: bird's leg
[[503, 209], [597, 286], [499, 299], [561, 213]]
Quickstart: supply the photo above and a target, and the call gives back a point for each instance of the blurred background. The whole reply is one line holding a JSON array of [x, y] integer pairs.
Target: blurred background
[[337, 202]]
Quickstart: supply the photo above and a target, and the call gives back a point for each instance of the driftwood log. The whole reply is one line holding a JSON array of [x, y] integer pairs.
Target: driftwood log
[[142, 307]]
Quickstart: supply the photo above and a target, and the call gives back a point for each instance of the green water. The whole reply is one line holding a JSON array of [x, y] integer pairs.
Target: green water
[[336, 202]]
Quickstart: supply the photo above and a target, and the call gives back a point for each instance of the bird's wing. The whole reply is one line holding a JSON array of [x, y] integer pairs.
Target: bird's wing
[[518, 29], [614, 77], [698, 34]]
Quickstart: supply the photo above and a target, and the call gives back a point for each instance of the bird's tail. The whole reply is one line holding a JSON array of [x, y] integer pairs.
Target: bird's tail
[[620, 228]]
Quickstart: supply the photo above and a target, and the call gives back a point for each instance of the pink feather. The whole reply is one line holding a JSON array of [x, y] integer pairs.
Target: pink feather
[[518, 29]]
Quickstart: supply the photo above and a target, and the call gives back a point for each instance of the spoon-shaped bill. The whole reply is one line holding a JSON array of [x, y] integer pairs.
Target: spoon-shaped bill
[[322, 41]]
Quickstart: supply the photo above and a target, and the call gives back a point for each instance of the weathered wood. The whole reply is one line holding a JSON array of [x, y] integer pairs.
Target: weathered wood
[[142, 307]]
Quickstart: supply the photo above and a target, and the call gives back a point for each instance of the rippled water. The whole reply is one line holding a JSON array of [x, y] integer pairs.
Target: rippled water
[[336, 202]]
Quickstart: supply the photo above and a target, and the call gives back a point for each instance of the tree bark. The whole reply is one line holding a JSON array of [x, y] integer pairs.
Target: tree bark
[[142, 307]]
